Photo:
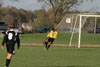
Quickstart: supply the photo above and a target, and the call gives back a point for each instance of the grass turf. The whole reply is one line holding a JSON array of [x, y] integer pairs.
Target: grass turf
[[63, 38], [36, 56]]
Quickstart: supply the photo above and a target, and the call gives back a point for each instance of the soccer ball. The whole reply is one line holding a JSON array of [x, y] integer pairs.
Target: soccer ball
[[44, 42]]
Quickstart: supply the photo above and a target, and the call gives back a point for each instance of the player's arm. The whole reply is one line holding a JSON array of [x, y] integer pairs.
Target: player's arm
[[47, 36], [18, 41], [4, 41]]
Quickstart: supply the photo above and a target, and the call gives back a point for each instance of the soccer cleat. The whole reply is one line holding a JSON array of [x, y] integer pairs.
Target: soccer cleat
[[46, 48]]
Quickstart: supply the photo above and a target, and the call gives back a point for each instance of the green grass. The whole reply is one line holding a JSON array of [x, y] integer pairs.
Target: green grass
[[36, 56], [63, 38]]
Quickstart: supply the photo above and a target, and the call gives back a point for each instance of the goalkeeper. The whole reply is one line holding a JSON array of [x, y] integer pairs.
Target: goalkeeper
[[51, 37]]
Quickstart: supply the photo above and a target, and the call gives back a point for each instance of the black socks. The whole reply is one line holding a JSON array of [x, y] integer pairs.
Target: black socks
[[49, 46], [7, 62], [46, 45]]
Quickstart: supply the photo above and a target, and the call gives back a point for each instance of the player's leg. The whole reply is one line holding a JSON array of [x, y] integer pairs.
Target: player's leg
[[10, 53], [13, 49], [46, 44], [51, 42], [9, 56], [7, 59]]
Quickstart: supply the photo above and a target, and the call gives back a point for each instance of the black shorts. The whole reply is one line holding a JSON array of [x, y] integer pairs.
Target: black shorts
[[10, 47], [51, 40]]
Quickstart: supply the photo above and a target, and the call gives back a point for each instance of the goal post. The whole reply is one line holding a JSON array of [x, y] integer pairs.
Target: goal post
[[80, 26]]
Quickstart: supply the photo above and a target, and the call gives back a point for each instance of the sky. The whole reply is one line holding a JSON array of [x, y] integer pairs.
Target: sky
[[34, 5], [92, 6], [24, 4]]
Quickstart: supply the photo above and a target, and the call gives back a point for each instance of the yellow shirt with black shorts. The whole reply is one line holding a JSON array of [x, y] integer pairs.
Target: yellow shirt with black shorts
[[52, 36]]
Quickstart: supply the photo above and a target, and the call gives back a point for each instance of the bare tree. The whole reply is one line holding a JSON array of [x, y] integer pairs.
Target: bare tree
[[61, 6]]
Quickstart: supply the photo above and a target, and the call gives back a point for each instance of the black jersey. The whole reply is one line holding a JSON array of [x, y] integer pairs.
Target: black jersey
[[11, 36]]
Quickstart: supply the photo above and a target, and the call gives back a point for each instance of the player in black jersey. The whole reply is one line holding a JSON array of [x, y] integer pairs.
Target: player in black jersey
[[10, 38]]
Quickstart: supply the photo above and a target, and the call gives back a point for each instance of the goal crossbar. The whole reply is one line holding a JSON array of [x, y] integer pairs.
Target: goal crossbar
[[89, 15]]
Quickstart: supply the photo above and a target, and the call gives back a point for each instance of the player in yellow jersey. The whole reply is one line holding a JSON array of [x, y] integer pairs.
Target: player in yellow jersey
[[51, 37]]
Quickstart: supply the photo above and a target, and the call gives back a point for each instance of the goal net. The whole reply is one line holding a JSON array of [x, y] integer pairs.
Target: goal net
[[80, 26]]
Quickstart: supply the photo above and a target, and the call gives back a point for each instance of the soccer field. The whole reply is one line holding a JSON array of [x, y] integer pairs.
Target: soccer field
[[63, 38], [36, 56]]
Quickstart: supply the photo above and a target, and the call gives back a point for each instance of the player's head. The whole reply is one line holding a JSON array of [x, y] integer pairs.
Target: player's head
[[11, 26], [53, 29]]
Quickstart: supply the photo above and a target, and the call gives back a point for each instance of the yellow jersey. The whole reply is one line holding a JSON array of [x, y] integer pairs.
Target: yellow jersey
[[52, 34]]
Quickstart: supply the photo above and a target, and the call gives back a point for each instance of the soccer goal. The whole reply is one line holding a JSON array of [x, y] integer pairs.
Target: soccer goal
[[79, 23]]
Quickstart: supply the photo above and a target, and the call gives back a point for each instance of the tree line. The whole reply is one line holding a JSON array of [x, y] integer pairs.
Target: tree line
[[39, 18], [42, 17]]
